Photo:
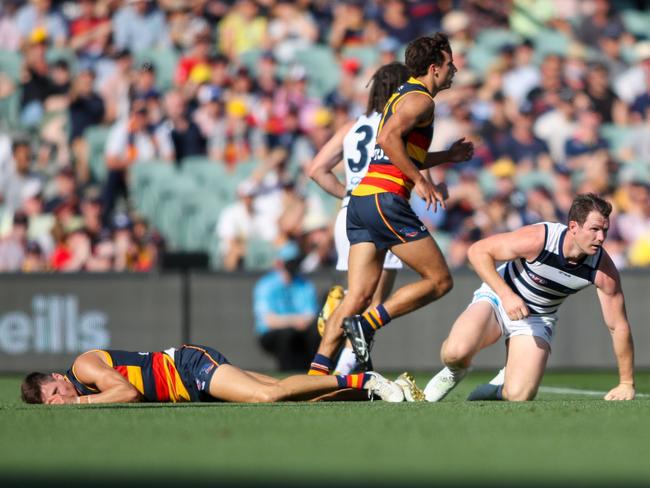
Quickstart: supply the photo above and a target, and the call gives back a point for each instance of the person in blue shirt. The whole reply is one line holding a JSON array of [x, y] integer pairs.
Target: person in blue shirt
[[285, 306]]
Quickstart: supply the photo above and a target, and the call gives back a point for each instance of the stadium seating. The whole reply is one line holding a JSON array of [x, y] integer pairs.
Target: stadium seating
[[259, 255], [54, 54], [165, 61], [209, 174], [366, 55], [322, 68], [495, 39], [96, 137], [10, 63], [550, 42], [616, 137], [636, 22], [528, 181]]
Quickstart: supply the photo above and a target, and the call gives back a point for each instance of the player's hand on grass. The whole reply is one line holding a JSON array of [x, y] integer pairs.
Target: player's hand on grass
[[461, 150], [430, 193], [515, 307], [623, 391]]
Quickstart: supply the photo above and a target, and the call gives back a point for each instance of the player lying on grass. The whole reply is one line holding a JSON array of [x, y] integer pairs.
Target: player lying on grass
[[544, 264], [188, 374]]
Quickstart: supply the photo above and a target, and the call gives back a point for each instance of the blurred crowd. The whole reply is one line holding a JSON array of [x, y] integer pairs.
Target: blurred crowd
[[555, 95]]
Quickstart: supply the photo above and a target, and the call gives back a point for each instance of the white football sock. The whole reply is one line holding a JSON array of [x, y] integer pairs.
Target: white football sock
[[347, 361]]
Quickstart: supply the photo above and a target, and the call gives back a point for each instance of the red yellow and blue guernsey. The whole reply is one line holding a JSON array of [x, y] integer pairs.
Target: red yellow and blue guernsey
[[383, 176], [173, 375]]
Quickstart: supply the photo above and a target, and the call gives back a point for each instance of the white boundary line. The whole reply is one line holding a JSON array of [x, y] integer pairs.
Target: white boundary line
[[576, 391]]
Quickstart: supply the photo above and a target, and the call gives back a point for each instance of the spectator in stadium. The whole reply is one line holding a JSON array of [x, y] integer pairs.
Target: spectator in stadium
[[139, 26], [35, 83], [39, 15], [285, 307], [240, 222], [515, 302], [10, 35], [34, 260], [12, 246], [291, 28], [201, 374], [197, 58], [555, 126], [523, 147], [242, 29], [86, 108], [19, 176], [129, 142], [209, 113], [180, 135], [90, 31], [602, 97], [349, 26], [394, 21], [115, 87]]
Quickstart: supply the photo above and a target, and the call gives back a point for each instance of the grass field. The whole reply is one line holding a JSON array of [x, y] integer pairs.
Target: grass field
[[561, 439]]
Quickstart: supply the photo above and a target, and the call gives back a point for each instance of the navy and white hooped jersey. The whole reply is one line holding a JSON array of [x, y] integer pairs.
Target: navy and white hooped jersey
[[548, 280], [358, 147]]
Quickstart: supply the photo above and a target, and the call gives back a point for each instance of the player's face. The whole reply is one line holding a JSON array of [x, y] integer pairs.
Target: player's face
[[590, 236], [446, 71], [58, 391]]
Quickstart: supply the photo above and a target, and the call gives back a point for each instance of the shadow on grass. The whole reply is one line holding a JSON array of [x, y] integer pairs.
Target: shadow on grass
[[71, 481]]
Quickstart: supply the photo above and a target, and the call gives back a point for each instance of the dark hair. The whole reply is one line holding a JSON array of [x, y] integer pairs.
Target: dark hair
[[384, 82], [584, 204], [18, 143], [31, 388], [425, 51]]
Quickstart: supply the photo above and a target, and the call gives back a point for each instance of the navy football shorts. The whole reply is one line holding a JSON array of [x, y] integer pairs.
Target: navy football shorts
[[196, 364], [386, 219]]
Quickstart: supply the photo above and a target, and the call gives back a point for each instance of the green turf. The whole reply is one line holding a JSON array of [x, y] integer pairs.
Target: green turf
[[557, 439]]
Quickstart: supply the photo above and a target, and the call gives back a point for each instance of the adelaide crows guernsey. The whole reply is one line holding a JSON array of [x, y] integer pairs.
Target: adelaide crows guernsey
[[383, 176], [547, 281], [153, 374]]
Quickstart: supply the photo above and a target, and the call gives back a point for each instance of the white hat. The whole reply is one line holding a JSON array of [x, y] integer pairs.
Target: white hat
[[455, 21], [31, 189], [247, 188]]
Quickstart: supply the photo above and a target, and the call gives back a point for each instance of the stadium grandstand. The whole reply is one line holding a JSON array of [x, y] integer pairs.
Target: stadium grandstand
[[129, 127]]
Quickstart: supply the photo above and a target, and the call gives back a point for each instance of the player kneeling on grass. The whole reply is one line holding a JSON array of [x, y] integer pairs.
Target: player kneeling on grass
[[188, 374], [544, 264]]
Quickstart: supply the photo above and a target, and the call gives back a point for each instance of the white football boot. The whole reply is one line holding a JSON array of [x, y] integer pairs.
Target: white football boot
[[380, 387], [441, 384], [412, 393]]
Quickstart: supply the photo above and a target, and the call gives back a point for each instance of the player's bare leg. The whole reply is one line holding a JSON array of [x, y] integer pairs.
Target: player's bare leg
[[384, 287], [527, 357], [364, 270], [424, 257], [525, 364], [347, 359], [232, 384], [474, 329]]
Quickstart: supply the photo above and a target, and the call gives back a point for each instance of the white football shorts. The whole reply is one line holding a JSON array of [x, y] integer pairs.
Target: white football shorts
[[542, 326], [343, 245]]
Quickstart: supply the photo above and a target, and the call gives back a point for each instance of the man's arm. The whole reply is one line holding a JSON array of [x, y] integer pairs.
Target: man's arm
[[526, 243], [460, 150], [91, 369], [320, 170], [612, 304], [408, 113]]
